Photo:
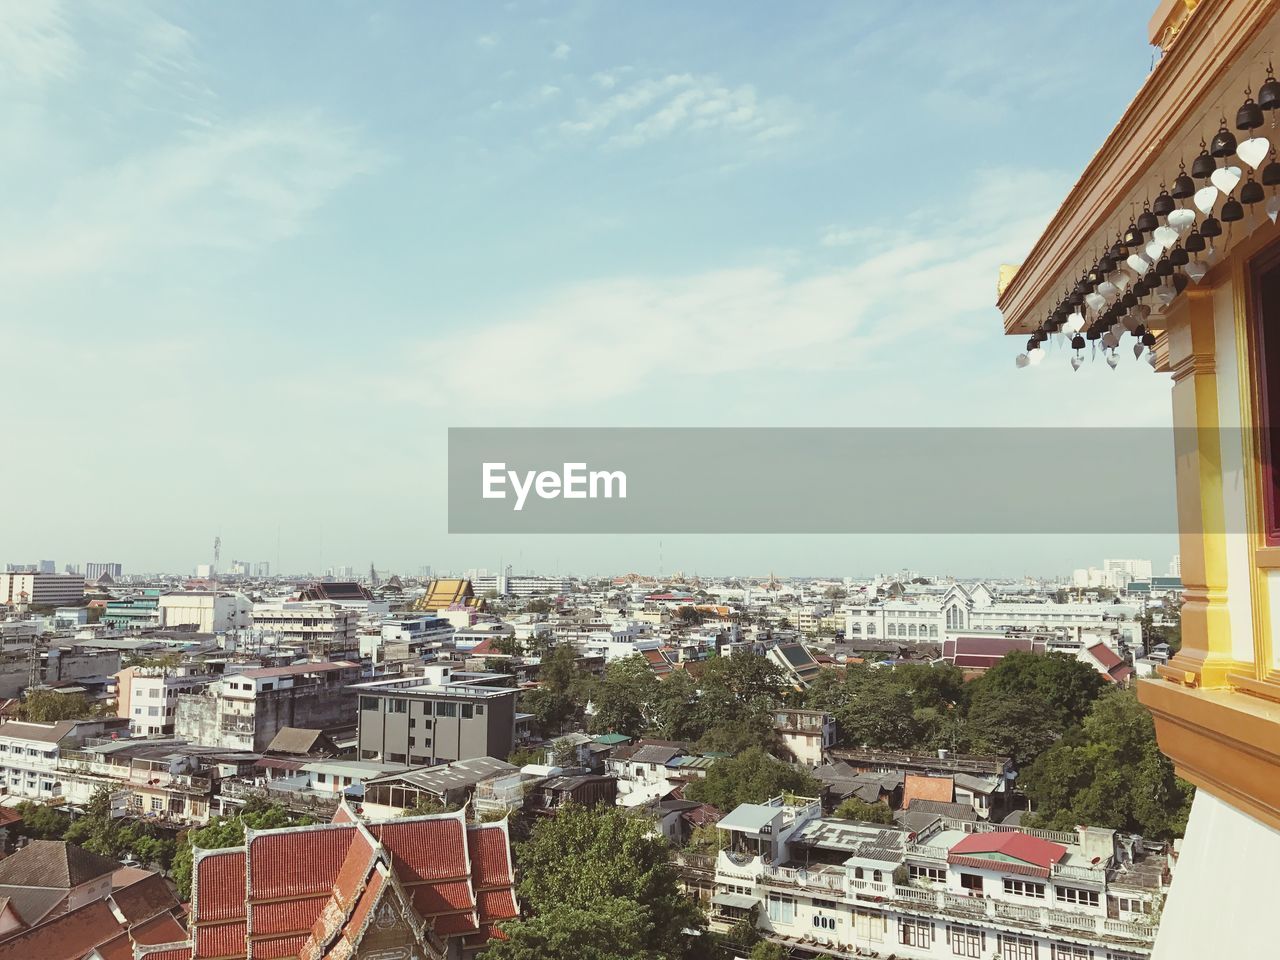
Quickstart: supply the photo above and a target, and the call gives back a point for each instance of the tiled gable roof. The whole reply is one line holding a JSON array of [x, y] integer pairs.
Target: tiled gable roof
[[53, 863]]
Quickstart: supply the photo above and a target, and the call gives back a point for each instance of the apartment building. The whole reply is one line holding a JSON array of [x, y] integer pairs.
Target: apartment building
[[29, 753], [955, 888], [163, 779], [321, 628], [148, 696], [436, 717], [41, 589], [206, 611], [806, 734], [245, 709]]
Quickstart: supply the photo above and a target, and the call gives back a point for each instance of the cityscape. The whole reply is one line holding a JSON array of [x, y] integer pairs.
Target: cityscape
[[582, 481]]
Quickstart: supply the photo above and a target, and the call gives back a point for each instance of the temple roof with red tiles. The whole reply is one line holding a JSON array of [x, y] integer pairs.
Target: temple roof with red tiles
[[311, 892]]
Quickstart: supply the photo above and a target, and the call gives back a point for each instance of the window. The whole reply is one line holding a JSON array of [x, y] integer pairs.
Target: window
[[466, 711], [156, 804], [479, 709], [1266, 350], [1018, 948], [395, 758], [876, 875], [1069, 951], [915, 933], [446, 709], [1024, 888], [781, 909], [322, 778], [1083, 898], [938, 874], [868, 925], [966, 941], [824, 923], [1133, 905], [857, 873], [398, 706], [971, 882], [370, 703]]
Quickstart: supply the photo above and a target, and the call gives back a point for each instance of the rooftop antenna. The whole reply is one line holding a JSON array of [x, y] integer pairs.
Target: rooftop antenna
[[217, 556]]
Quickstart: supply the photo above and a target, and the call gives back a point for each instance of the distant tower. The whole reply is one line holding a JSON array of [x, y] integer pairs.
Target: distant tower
[[374, 582]]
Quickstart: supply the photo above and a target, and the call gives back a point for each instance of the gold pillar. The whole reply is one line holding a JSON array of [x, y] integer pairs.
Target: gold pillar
[[1206, 655]]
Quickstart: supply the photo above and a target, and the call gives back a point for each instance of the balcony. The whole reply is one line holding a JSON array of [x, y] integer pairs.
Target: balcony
[[816, 879]]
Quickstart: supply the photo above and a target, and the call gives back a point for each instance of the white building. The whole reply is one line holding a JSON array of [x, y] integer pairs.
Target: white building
[[29, 753], [323, 628], [206, 611], [41, 589], [148, 696], [955, 889], [960, 610]]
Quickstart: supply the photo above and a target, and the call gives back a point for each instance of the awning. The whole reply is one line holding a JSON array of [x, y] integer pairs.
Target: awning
[[739, 901]]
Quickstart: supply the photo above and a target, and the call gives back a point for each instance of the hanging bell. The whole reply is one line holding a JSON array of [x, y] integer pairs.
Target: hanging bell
[[1075, 299], [1178, 256], [1269, 92], [1140, 287], [1117, 251], [1223, 144], [1271, 172], [1180, 281], [1077, 342], [1147, 220], [1140, 330], [1032, 344], [1163, 204], [1133, 236], [1202, 166], [1129, 300], [1183, 187], [1194, 242], [1251, 192], [1041, 335], [1093, 334], [1164, 267], [1232, 211], [1148, 339], [1249, 115], [1097, 274], [1106, 263], [1209, 227]]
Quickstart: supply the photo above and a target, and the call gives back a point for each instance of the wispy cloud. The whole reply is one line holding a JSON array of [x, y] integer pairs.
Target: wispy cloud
[[487, 41], [36, 44], [659, 108], [561, 51], [233, 187]]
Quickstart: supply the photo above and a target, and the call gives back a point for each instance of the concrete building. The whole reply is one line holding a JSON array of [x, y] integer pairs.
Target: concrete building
[[29, 752], [437, 717], [320, 628], [148, 696], [206, 611], [245, 709], [141, 612], [41, 589], [955, 888], [806, 734], [95, 571]]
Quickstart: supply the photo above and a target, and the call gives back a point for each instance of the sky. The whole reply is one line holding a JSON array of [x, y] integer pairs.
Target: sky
[[256, 259]]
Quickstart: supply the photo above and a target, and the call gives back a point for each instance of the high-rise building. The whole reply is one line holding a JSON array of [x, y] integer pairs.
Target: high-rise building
[[47, 566], [41, 589], [95, 571]]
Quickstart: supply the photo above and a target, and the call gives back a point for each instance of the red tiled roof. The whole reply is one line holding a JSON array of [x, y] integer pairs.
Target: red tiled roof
[[1018, 846], [277, 948], [356, 866], [287, 916], [175, 951], [496, 905], [453, 924], [433, 848], [293, 863], [449, 897], [220, 939], [490, 856], [219, 885], [485, 646], [1105, 656]]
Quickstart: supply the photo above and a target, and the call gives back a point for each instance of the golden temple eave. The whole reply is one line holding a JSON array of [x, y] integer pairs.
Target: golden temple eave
[[1211, 41]]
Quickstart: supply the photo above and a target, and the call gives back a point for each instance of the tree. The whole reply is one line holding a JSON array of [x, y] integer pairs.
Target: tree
[[768, 950], [583, 857], [228, 831], [45, 706], [563, 690], [855, 809], [881, 716], [523, 756], [739, 694], [674, 711], [612, 929], [40, 822], [1110, 772], [753, 776], [537, 605], [623, 700]]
